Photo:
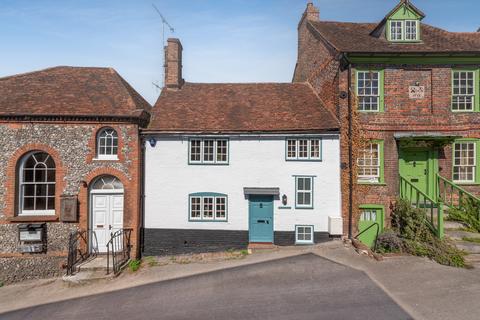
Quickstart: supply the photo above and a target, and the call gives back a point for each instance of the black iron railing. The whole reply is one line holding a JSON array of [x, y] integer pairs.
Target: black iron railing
[[119, 248], [78, 249]]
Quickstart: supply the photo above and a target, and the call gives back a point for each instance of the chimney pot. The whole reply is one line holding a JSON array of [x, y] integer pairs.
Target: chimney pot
[[173, 64]]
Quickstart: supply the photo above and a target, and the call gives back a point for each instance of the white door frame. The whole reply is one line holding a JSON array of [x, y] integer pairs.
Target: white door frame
[[92, 193]]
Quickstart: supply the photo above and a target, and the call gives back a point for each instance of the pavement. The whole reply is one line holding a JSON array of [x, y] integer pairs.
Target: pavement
[[327, 281]]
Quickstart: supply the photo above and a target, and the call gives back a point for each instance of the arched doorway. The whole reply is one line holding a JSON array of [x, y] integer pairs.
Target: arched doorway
[[106, 209]]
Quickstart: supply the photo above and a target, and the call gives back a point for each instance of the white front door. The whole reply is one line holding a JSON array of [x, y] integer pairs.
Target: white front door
[[107, 217]]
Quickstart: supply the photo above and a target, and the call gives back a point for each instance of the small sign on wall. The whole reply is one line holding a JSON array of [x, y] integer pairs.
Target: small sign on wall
[[416, 92], [68, 211]]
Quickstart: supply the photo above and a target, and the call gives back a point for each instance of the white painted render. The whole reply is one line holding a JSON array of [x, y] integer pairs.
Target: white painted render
[[254, 161]]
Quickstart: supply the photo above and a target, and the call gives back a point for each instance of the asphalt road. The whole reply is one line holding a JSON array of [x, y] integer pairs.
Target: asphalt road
[[301, 287]]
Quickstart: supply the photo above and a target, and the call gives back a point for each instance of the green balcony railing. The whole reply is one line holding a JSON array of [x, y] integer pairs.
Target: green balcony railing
[[433, 207]]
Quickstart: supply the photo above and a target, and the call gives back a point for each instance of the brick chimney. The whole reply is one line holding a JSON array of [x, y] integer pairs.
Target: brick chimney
[[312, 13], [173, 64]]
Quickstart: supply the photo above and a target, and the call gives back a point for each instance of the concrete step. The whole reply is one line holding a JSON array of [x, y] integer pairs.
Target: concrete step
[[98, 263], [85, 277], [261, 246], [469, 247]]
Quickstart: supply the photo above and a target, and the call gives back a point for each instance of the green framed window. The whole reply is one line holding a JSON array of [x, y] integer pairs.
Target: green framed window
[[304, 192], [465, 160], [370, 90], [208, 151], [404, 30], [465, 90], [303, 149], [207, 206], [370, 163]]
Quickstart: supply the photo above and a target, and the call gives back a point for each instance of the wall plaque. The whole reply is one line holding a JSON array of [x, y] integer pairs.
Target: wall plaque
[[416, 92], [68, 208]]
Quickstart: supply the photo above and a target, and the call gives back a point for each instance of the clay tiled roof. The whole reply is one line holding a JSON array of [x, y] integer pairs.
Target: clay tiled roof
[[70, 91], [249, 107], [356, 38]]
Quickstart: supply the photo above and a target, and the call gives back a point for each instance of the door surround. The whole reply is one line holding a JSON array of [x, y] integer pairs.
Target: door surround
[[106, 185], [432, 165]]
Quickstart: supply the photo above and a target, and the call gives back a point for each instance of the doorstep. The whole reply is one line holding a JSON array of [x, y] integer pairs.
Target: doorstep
[[261, 245]]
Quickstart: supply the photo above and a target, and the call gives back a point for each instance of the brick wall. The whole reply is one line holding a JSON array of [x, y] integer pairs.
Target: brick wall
[[318, 66]]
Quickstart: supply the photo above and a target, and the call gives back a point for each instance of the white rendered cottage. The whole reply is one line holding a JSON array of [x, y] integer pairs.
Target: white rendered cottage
[[231, 164]]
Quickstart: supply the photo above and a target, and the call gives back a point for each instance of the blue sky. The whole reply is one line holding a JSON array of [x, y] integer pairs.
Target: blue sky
[[224, 40]]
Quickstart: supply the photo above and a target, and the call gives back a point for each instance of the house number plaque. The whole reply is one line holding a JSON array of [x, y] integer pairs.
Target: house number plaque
[[416, 92]]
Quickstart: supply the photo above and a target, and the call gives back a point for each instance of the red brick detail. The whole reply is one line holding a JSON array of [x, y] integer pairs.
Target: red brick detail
[[11, 184]]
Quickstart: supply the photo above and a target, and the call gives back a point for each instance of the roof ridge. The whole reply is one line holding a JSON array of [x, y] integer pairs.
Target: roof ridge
[[17, 75]]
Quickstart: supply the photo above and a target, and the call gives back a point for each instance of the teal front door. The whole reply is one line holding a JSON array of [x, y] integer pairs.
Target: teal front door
[[260, 218]]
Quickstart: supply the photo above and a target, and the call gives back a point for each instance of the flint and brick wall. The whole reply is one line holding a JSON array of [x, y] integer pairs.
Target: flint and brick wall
[[72, 146]]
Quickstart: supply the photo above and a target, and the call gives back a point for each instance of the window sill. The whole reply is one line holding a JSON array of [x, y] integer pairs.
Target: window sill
[[303, 160], [33, 218], [207, 220], [304, 208], [106, 159], [466, 184], [372, 183]]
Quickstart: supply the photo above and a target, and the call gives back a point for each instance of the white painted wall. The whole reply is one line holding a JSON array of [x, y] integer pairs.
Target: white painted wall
[[254, 162]]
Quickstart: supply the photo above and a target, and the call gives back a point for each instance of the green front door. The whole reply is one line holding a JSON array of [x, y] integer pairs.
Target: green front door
[[368, 217], [414, 167]]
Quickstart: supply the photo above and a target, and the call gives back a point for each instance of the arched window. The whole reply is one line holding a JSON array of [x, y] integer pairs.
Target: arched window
[[36, 175], [107, 144], [107, 183]]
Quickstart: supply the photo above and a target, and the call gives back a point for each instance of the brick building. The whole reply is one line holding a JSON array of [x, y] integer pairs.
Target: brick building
[[70, 150], [407, 96]]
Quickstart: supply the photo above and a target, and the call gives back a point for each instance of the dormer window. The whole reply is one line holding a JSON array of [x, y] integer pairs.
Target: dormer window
[[402, 24], [404, 30]]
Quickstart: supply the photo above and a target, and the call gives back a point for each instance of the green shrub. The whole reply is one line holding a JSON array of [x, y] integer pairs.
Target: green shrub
[[417, 239], [389, 242], [466, 214], [134, 265]]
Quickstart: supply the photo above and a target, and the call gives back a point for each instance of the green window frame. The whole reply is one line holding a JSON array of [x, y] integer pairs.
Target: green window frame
[[208, 151], [207, 207], [407, 27], [465, 161], [370, 163], [369, 89], [304, 186], [462, 93]]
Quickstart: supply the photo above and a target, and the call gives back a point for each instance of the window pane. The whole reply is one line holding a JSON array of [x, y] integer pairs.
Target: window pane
[[220, 208], [208, 150], [315, 149], [222, 151], [207, 208], [195, 207], [464, 161], [291, 149], [369, 163], [195, 150], [28, 203], [463, 91], [368, 91]]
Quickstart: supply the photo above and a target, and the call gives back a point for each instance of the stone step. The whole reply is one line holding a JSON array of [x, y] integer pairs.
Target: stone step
[[453, 225], [473, 259], [460, 234], [469, 247]]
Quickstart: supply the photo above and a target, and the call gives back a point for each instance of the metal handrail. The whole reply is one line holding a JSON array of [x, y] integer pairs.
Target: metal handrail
[[449, 200], [78, 249], [408, 191], [376, 237], [120, 246]]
